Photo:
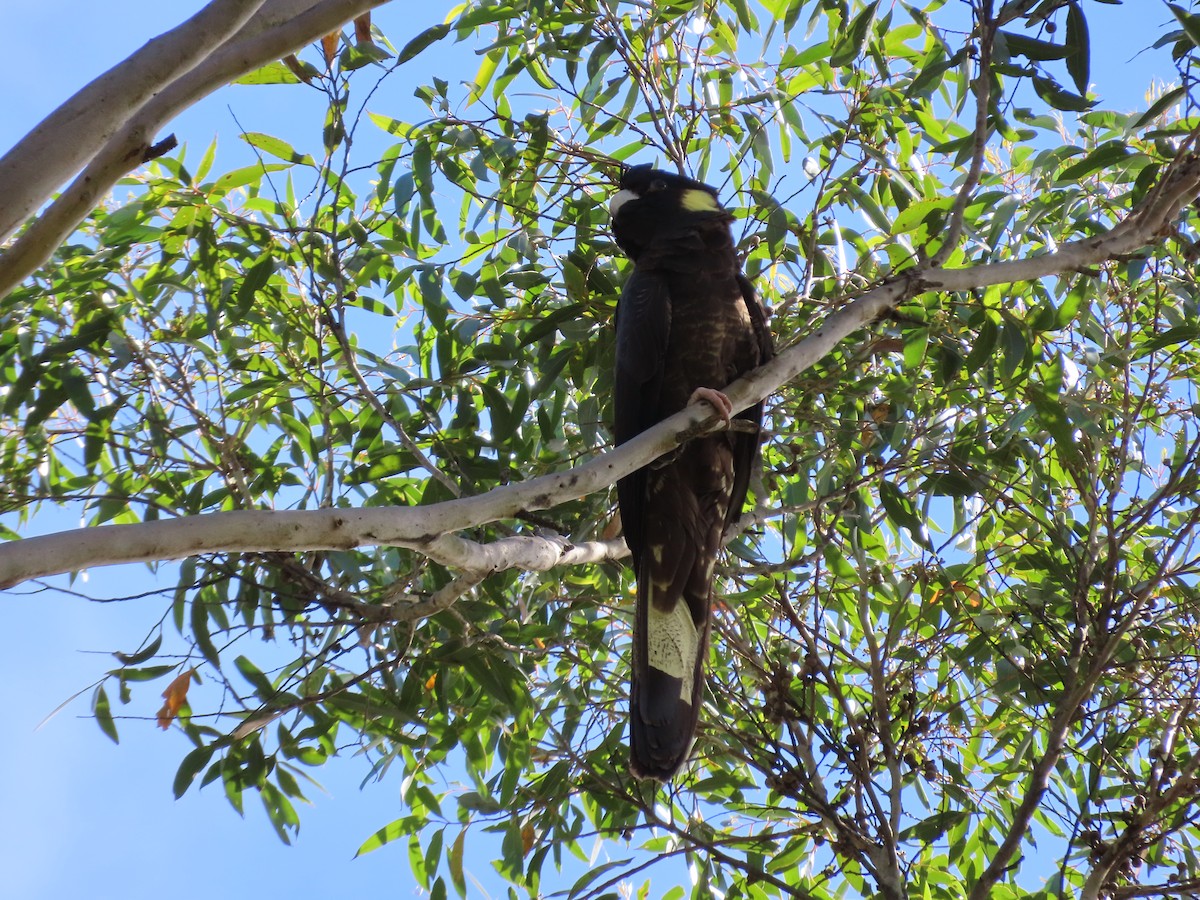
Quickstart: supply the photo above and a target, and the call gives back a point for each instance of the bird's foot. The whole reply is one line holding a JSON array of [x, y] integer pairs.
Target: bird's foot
[[715, 399]]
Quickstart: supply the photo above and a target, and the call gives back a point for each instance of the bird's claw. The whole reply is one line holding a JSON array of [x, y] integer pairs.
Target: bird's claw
[[715, 399]]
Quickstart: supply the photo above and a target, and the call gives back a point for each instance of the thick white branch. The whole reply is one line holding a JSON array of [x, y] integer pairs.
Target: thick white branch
[[110, 151], [533, 553], [430, 529], [1156, 217], [67, 138]]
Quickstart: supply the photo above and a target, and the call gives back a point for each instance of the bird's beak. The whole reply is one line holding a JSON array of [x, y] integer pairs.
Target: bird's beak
[[620, 198]]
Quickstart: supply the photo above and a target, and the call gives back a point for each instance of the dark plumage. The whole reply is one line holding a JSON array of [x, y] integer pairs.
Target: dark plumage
[[688, 324]]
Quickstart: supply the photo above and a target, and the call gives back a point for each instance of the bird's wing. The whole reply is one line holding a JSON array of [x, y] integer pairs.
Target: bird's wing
[[745, 445], [643, 327], [758, 320]]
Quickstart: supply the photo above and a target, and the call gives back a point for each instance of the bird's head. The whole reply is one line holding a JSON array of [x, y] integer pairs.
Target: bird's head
[[651, 203]]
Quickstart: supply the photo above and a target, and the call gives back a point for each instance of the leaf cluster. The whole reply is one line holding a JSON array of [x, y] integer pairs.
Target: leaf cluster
[[956, 635]]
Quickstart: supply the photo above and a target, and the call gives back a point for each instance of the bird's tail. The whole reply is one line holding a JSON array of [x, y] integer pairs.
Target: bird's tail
[[670, 642]]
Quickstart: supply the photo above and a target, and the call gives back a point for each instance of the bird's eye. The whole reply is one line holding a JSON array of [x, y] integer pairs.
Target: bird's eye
[[657, 185]]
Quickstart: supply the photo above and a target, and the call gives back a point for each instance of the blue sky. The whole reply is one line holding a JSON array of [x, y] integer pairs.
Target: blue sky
[[87, 818]]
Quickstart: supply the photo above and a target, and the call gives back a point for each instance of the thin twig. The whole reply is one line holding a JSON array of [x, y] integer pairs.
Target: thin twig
[[983, 83]]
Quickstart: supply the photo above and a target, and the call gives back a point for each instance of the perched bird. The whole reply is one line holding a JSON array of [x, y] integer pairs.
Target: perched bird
[[688, 324]]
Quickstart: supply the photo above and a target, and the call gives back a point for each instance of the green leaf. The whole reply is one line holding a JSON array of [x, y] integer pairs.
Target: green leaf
[[923, 219], [1104, 156], [103, 712], [594, 873], [255, 280], [837, 562], [1189, 21], [1069, 309], [1058, 97], [356, 56], [206, 162], [949, 484], [200, 632], [1032, 48], [394, 830], [851, 44], [1015, 348], [504, 422], [423, 40], [1160, 106], [484, 75], [393, 126], [277, 147], [196, 760], [433, 853], [934, 827], [745, 17], [1172, 337], [136, 659], [916, 343], [272, 73], [1078, 47], [984, 345], [262, 684], [250, 175], [902, 512], [1053, 416], [416, 860], [149, 673], [457, 876]]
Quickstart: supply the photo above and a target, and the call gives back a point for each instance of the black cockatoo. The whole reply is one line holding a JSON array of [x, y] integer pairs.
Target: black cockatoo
[[688, 324]]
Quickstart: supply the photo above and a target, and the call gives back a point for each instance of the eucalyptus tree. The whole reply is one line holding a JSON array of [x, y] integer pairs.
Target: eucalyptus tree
[[365, 398]]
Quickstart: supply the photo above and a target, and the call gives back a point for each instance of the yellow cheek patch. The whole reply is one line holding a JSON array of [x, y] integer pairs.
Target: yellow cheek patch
[[699, 201]]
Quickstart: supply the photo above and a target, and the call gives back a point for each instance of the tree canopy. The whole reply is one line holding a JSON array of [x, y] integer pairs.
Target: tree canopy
[[362, 390]]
